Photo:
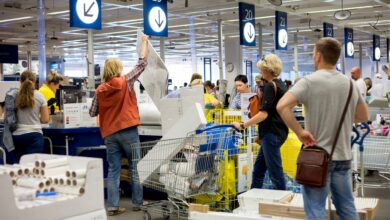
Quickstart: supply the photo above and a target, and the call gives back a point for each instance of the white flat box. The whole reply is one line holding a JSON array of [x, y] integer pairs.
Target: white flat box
[[250, 200]]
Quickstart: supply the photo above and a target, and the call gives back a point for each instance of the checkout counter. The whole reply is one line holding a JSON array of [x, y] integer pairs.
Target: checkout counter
[[73, 132]]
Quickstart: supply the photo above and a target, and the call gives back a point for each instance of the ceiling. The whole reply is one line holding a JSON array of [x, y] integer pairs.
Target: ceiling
[[196, 23]]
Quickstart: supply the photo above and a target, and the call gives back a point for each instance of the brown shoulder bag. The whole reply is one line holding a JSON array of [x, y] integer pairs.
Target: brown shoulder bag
[[255, 103], [313, 162]]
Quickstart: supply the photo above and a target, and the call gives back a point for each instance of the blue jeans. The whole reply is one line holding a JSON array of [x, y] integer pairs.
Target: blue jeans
[[340, 183], [29, 143], [127, 141], [269, 159]]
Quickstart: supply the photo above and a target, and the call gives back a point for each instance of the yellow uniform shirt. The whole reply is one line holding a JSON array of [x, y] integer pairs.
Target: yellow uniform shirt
[[48, 93]]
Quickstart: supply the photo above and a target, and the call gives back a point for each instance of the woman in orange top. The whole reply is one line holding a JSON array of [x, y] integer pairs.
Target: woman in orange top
[[115, 102]]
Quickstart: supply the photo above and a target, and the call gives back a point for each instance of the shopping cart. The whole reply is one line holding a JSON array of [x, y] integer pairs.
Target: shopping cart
[[357, 139], [376, 156], [199, 167]]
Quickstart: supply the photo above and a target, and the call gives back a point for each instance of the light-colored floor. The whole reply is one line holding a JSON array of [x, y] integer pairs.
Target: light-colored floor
[[382, 193]]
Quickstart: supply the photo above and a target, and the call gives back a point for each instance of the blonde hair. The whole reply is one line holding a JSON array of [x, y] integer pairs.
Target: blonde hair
[[53, 77], [25, 98], [112, 68], [195, 76], [271, 63]]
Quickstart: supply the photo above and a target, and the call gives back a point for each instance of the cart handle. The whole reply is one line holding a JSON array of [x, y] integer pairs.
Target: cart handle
[[201, 130], [367, 127], [354, 140]]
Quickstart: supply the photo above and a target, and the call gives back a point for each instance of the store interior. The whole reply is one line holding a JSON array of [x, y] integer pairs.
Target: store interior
[[203, 37]]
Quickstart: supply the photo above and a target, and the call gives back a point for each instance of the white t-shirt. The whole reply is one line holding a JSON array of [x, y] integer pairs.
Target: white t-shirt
[[362, 87]]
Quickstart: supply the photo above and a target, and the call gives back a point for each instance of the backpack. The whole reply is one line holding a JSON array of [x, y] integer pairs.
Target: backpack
[[10, 109], [255, 103]]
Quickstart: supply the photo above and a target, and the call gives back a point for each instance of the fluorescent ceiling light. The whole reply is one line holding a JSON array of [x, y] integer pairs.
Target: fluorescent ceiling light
[[58, 12], [337, 9], [15, 19]]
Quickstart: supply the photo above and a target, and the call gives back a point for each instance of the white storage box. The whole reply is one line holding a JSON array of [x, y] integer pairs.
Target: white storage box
[[249, 201]]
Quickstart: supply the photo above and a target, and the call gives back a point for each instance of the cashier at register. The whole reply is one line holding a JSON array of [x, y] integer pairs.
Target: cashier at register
[[49, 89]]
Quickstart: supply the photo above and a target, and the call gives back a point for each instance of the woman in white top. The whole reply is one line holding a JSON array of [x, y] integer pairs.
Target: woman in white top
[[31, 111]]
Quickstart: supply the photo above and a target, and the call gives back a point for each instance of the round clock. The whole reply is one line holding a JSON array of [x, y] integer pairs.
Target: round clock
[[283, 38], [229, 67]]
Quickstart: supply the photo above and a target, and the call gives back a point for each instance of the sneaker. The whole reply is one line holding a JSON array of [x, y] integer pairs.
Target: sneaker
[[136, 209], [118, 211]]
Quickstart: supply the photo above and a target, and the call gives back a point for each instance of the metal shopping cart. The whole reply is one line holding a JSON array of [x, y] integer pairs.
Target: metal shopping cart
[[376, 156], [199, 167]]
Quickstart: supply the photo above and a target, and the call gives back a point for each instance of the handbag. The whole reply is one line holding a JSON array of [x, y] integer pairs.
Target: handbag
[[313, 162], [255, 103]]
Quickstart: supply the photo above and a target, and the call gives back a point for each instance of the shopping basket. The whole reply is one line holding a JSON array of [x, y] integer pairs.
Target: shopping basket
[[188, 169]]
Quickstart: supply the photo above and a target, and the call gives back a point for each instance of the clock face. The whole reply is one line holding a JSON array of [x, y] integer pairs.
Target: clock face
[[229, 67], [283, 38], [377, 53], [350, 49]]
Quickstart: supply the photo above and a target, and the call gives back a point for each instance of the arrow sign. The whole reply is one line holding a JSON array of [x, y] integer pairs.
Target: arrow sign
[[89, 9], [156, 18], [159, 22], [85, 14], [247, 24]]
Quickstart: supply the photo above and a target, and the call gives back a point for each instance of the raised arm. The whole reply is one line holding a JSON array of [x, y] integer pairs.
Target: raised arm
[[133, 75]]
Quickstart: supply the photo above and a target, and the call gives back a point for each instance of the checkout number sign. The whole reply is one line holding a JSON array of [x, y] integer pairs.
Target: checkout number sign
[[85, 14], [281, 30], [247, 24], [348, 43], [156, 18], [328, 30], [376, 48]]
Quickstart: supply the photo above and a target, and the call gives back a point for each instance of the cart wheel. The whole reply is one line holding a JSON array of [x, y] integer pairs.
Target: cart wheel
[[147, 216]]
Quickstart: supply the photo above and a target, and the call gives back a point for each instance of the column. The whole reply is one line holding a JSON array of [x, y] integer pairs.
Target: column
[[41, 41]]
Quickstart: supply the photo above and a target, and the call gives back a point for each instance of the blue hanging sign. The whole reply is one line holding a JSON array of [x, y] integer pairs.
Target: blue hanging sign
[[328, 30], [156, 18], [376, 48], [86, 14], [281, 30], [348, 43], [247, 24]]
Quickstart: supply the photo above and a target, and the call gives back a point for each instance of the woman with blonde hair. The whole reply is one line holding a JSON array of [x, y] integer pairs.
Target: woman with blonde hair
[[115, 102], [49, 88], [31, 112], [272, 129]]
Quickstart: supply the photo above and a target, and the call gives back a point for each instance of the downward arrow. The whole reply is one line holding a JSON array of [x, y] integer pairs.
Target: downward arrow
[[159, 22], [250, 34], [89, 9]]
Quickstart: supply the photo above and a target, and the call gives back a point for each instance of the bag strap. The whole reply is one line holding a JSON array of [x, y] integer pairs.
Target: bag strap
[[342, 119], [275, 87]]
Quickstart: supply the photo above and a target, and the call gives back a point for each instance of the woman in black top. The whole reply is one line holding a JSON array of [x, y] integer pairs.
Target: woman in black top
[[272, 129]]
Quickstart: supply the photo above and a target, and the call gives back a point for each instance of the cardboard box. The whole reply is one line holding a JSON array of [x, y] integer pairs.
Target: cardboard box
[[366, 207], [198, 208]]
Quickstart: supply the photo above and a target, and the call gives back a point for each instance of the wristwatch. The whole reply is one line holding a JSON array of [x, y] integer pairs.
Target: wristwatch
[[242, 126]]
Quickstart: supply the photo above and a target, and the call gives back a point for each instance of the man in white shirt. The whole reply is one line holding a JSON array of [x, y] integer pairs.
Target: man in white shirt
[[356, 75]]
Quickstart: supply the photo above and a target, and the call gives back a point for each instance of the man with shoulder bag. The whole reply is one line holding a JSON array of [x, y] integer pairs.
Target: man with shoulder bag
[[332, 104]]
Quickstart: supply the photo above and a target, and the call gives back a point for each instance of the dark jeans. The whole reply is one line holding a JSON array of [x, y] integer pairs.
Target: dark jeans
[[29, 143], [269, 159]]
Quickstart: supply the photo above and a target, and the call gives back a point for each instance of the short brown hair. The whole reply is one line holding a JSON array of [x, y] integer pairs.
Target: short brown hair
[[330, 49]]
